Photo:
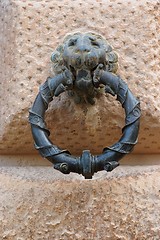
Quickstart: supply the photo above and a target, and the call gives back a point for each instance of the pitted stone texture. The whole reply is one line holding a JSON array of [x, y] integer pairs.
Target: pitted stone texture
[[31, 30], [39, 203]]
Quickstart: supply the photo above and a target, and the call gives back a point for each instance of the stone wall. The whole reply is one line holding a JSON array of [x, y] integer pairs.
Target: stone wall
[[38, 202]]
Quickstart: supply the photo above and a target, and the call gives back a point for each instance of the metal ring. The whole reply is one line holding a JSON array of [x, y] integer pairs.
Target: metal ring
[[87, 164]]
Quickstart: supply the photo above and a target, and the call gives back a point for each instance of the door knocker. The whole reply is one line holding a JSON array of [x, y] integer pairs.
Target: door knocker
[[83, 63]]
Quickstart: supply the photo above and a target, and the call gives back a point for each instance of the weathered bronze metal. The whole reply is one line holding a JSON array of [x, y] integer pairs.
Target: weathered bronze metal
[[83, 63]]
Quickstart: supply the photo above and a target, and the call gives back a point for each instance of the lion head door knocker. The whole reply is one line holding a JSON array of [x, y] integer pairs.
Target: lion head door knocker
[[83, 63]]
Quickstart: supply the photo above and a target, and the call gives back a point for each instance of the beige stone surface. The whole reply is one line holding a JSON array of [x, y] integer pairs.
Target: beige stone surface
[[30, 31], [40, 203]]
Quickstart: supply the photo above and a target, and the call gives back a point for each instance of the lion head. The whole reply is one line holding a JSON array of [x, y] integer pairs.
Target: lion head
[[82, 53]]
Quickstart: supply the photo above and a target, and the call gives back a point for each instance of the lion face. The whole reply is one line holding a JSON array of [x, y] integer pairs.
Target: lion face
[[84, 51]]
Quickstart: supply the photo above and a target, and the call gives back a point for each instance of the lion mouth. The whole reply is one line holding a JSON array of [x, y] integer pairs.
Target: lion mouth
[[82, 73], [83, 66]]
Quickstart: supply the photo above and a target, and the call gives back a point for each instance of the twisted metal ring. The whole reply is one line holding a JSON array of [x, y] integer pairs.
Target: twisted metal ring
[[86, 164]]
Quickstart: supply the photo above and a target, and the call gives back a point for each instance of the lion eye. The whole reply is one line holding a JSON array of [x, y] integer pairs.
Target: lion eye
[[92, 38], [72, 42], [95, 44]]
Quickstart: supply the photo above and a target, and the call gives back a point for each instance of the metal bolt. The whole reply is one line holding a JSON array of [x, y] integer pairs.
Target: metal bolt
[[64, 167]]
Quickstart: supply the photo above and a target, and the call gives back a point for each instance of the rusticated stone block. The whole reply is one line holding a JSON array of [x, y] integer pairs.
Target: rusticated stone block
[[30, 31], [39, 203]]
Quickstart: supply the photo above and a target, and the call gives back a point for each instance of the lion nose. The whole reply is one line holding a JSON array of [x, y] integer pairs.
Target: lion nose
[[83, 48]]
